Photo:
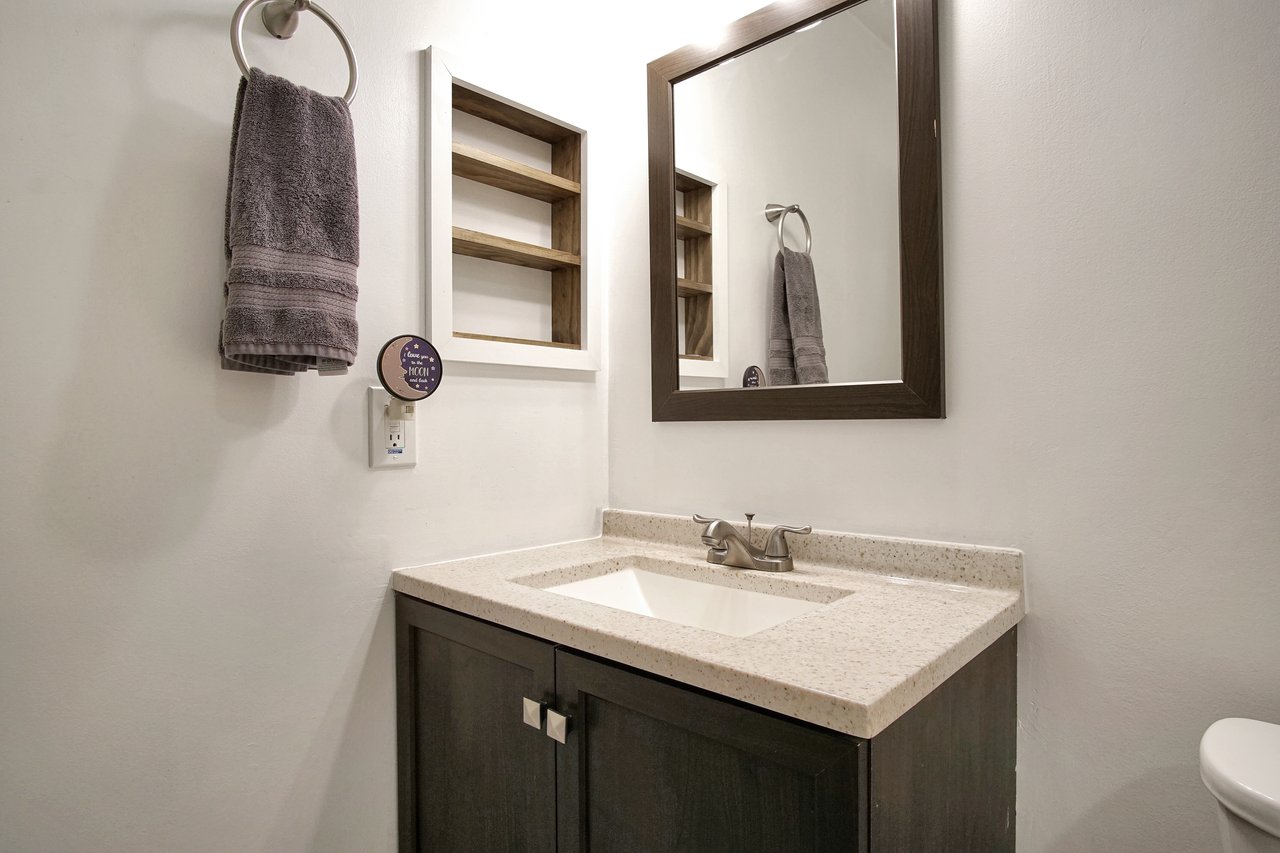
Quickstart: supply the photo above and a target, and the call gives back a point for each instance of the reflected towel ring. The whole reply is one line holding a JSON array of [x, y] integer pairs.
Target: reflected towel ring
[[778, 213], [281, 19]]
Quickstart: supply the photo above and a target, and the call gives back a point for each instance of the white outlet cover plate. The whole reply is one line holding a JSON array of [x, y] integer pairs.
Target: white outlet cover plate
[[381, 452]]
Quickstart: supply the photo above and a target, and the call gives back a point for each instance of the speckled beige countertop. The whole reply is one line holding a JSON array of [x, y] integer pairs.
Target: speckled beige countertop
[[915, 613]]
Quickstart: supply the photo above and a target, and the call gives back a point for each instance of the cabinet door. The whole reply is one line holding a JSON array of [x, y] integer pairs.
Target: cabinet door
[[651, 767], [473, 776]]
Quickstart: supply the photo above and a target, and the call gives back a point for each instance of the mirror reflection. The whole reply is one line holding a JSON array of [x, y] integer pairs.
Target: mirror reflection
[[792, 145]]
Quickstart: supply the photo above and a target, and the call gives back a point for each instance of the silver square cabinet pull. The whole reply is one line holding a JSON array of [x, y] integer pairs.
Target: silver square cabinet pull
[[533, 712], [557, 726]]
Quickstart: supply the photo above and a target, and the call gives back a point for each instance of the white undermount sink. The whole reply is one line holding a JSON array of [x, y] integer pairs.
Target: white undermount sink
[[662, 590]]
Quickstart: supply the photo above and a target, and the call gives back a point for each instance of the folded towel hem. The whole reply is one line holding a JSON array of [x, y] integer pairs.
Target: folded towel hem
[[283, 350], [242, 367]]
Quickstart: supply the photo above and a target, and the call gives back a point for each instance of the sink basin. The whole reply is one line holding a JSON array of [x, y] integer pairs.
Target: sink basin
[[664, 590]]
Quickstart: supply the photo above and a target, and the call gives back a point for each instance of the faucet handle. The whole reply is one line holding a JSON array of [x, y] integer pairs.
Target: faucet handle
[[777, 545], [702, 520]]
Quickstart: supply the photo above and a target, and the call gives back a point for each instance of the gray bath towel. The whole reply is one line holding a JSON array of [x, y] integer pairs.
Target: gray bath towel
[[797, 354], [292, 231]]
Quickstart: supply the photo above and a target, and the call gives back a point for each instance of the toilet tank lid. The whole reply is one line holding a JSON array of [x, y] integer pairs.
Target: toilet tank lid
[[1240, 764]]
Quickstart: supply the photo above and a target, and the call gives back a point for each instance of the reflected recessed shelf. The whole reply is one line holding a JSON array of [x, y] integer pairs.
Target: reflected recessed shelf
[[689, 287], [691, 229]]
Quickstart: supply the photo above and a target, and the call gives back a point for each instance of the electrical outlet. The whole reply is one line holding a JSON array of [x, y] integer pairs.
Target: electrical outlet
[[393, 443]]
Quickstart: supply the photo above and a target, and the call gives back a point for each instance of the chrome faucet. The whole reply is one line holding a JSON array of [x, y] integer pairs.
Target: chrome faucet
[[729, 548]]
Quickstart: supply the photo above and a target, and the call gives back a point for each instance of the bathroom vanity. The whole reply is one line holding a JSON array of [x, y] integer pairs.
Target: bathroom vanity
[[877, 715]]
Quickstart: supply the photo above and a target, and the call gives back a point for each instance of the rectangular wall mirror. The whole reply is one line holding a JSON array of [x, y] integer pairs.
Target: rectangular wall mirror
[[795, 218]]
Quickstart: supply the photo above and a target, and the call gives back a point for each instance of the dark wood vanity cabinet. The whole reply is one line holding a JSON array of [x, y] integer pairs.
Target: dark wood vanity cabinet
[[650, 766], [473, 776], [656, 767]]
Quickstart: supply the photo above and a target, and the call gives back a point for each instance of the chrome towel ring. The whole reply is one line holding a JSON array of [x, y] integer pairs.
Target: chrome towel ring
[[778, 213], [281, 20]]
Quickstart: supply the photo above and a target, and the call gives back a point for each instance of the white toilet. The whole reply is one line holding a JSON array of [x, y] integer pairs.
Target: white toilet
[[1240, 765]]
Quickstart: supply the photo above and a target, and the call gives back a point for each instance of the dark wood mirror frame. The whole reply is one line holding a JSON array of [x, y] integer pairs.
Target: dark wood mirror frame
[[920, 393]]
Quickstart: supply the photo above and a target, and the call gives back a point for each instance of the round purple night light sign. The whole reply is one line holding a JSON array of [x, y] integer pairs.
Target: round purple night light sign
[[410, 368]]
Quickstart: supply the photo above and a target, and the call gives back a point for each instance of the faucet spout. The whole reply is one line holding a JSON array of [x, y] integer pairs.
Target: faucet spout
[[717, 532], [728, 547]]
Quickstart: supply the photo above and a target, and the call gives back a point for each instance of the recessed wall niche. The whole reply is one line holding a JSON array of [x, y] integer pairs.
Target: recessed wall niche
[[506, 219]]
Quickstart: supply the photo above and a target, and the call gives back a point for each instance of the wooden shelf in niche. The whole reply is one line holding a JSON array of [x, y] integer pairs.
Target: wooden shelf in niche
[[501, 113], [477, 244], [696, 288], [561, 188], [495, 171], [506, 340]]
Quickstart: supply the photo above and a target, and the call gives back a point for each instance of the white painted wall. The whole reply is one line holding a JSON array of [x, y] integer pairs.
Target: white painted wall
[[1111, 212], [195, 644], [773, 125], [195, 631]]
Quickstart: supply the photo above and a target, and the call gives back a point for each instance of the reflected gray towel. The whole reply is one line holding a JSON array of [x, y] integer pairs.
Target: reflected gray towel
[[797, 354], [292, 231]]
